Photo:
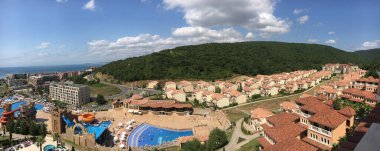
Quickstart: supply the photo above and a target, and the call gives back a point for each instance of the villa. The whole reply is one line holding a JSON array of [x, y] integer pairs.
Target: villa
[[152, 85], [310, 122], [220, 100], [259, 117], [170, 85], [185, 86]]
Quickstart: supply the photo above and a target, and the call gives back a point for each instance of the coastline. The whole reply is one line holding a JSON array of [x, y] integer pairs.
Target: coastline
[[44, 69]]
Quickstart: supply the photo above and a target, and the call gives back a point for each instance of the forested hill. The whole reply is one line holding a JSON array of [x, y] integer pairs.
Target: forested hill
[[222, 60], [373, 57]]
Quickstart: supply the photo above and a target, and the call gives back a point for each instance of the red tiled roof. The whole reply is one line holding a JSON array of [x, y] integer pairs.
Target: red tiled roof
[[347, 111], [369, 79], [260, 113], [328, 117], [288, 105], [160, 104], [282, 119], [285, 132], [218, 96], [291, 144], [263, 142]]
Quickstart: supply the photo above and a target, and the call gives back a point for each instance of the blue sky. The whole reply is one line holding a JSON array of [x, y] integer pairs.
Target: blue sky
[[55, 32]]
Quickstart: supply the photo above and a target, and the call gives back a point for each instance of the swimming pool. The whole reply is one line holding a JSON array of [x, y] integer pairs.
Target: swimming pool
[[49, 148], [17, 105], [149, 135]]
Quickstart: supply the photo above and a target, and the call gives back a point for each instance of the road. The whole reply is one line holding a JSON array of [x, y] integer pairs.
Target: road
[[122, 94], [233, 143]]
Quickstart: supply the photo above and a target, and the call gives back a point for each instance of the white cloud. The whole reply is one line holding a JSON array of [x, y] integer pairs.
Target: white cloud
[[297, 11], [331, 33], [303, 19], [313, 40], [90, 5], [249, 14], [330, 41], [43, 45], [300, 11], [61, 1], [370, 45], [147, 43], [249, 35]]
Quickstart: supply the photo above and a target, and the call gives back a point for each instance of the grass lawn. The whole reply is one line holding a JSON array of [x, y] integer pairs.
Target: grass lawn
[[240, 140], [103, 89], [250, 146], [233, 115], [229, 133]]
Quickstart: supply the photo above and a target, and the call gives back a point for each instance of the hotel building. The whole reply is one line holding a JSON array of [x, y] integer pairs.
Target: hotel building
[[74, 94]]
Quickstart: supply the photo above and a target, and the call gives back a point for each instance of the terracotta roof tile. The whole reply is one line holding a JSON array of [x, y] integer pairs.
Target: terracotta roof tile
[[292, 144], [347, 111], [260, 113], [328, 117], [282, 119], [284, 132]]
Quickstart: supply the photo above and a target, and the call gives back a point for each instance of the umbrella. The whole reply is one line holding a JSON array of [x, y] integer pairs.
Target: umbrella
[[122, 138]]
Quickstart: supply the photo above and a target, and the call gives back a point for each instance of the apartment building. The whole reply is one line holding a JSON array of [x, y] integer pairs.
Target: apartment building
[[74, 94]]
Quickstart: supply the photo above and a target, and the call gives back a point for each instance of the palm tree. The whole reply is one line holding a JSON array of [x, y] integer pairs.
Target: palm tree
[[40, 141], [56, 137]]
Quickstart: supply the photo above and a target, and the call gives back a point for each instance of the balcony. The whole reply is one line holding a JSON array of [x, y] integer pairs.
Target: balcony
[[320, 130], [305, 114]]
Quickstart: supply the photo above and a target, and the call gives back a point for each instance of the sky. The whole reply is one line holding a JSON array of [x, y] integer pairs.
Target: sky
[[61, 32]]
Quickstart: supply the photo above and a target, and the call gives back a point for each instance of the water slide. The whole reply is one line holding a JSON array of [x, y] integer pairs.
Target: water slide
[[67, 121], [88, 118]]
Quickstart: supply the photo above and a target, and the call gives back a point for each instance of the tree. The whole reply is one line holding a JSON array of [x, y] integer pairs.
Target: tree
[[10, 127], [100, 99], [40, 141], [217, 139], [56, 137], [193, 145], [218, 90]]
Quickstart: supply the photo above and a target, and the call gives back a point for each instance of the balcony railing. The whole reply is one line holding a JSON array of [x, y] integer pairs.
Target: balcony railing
[[320, 130], [305, 114]]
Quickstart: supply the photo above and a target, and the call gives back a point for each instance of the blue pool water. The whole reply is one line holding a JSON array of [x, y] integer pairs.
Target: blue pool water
[[49, 148], [149, 135], [17, 105]]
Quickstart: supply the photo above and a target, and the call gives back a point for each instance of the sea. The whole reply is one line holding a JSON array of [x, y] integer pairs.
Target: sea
[[45, 69]]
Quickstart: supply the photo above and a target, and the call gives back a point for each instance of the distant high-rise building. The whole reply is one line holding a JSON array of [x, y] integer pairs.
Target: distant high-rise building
[[74, 94]]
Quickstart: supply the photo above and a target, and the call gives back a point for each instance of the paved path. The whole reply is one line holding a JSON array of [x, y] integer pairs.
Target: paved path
[[233, 143]]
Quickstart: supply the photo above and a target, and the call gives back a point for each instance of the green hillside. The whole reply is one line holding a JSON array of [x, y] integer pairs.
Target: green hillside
[[373, 58], [222, 60]]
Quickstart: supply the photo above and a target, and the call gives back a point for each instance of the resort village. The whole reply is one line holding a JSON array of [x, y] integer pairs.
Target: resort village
[[335, 108]]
